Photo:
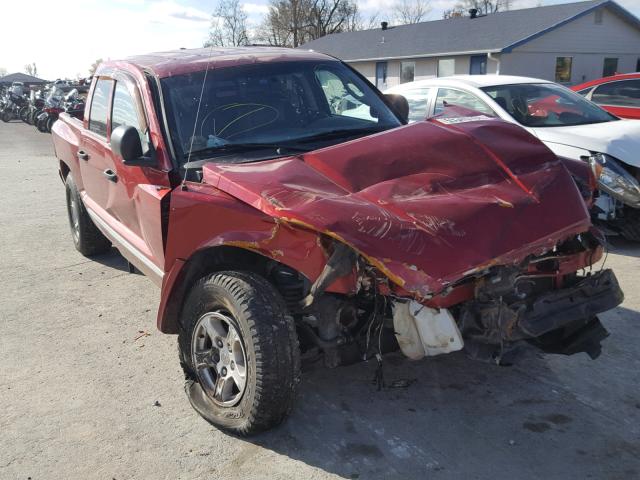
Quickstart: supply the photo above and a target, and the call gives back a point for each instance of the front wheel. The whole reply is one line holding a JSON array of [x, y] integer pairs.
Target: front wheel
[[239, 352]]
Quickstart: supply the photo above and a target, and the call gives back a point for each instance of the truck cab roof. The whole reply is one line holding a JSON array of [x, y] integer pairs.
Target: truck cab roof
[[177, 62]]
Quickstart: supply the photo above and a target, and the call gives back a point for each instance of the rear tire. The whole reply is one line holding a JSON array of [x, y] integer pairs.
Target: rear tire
[[23, 114], [6, 116], [255, 313], [49, 124], [630, 225], [87, 239]]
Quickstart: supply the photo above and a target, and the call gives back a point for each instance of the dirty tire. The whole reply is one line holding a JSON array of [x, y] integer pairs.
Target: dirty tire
[[630, 226], [268, 335], [87, 239]]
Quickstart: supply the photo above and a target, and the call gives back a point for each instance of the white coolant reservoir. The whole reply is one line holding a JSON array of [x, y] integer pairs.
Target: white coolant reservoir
[[423, 331]]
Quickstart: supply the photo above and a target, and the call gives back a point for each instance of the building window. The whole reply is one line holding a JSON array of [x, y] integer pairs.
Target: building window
[[563, 69], [598, 17], [407, 71], [610, 67], [446, 67]]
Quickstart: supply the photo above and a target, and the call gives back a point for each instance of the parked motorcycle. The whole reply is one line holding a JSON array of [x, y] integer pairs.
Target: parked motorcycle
[[15, 101], [55, 104], [34, 108]]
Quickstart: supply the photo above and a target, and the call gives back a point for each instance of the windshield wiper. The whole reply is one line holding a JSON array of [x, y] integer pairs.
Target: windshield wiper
[[349, 132], [280, 148]]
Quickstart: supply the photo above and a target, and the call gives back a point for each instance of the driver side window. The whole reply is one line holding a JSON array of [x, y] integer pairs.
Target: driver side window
[[343, 99], [125, 112]]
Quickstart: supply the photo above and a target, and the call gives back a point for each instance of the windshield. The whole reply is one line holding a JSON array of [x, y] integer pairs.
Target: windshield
[[271, 104], [546, 105]]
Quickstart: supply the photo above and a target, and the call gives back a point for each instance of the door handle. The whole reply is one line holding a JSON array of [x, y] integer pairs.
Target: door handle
[[82, 155], [111, 175]]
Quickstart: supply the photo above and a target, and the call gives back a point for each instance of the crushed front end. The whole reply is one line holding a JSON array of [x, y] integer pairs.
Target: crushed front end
[[551, 301], [471, 236]]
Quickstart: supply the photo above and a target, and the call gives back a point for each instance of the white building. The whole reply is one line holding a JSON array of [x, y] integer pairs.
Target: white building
[[569, 43]]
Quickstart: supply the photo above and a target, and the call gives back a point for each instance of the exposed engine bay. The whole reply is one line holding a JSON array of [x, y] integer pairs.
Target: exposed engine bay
[[542, 302]]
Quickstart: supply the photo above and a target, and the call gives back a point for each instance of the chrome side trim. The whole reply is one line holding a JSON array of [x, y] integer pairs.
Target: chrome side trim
[[141, 261]]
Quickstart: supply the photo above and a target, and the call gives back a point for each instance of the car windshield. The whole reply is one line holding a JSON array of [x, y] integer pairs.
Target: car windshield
[[546, 105], [274, 103]]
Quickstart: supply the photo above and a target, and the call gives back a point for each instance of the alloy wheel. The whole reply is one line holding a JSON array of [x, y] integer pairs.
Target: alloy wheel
[[218, 354]]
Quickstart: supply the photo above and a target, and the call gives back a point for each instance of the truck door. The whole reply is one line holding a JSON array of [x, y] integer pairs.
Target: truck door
[[93, 145], [125, 201]]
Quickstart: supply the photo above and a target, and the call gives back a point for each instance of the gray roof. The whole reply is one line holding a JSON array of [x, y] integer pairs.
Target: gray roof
[[21, 77], [499, 32]]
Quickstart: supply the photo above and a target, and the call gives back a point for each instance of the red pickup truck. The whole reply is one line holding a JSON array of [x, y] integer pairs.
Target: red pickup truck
[[288, 213]]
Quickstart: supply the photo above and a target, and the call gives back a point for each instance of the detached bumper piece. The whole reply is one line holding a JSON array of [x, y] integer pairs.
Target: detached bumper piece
[[560, 321], [565, 322]]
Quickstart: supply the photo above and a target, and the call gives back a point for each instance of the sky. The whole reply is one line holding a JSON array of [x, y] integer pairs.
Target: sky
[[65, 40]]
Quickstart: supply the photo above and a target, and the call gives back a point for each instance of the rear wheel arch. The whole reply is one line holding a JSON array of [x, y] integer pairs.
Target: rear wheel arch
[[64, 170], [211, 260]]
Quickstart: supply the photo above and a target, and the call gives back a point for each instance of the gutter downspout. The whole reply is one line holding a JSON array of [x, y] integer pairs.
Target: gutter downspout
[[497, 60]]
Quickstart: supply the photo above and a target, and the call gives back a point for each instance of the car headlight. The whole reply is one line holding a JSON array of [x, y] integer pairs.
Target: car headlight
[[615, 180]]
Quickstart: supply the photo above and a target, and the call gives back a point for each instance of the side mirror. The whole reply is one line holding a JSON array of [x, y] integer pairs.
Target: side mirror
[[125, 143], [399, 105]]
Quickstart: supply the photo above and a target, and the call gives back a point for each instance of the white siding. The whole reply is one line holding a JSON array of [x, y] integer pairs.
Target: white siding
[[582, 35], [425, 68], [366, 69], [583, 40]]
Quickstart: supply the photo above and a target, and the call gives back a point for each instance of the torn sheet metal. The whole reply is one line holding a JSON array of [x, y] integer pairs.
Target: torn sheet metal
[[427, 203]]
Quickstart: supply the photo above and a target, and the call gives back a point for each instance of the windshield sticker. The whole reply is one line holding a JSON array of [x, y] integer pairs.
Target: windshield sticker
[[454, 120]]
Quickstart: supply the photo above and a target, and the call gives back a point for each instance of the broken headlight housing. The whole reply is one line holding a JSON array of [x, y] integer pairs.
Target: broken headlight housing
[[615, 180]]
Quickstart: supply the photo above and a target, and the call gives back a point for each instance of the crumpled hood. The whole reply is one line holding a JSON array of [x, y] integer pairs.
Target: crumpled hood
[[620, 139], [427, 203]]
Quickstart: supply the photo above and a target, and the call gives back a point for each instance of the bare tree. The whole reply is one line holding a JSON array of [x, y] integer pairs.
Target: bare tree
[[330, 16], [31, 69], [284, 24], [411, 11], [294, 22], [228, 25], [94, 67], [484, 7]]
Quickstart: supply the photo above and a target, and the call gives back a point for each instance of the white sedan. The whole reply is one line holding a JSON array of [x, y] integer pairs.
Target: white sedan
[[567, 123]]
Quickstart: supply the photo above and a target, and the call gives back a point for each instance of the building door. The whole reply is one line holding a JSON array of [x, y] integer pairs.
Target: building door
[[381, 75], [478, 65]]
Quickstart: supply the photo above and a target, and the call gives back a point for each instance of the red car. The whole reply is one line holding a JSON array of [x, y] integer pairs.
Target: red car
[[281, 227], [618, 94]]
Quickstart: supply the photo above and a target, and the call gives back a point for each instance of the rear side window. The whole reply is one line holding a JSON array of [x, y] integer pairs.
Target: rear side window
[[125, 112], [448, 97], [625, 93], [100, 107], [417, 98]]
